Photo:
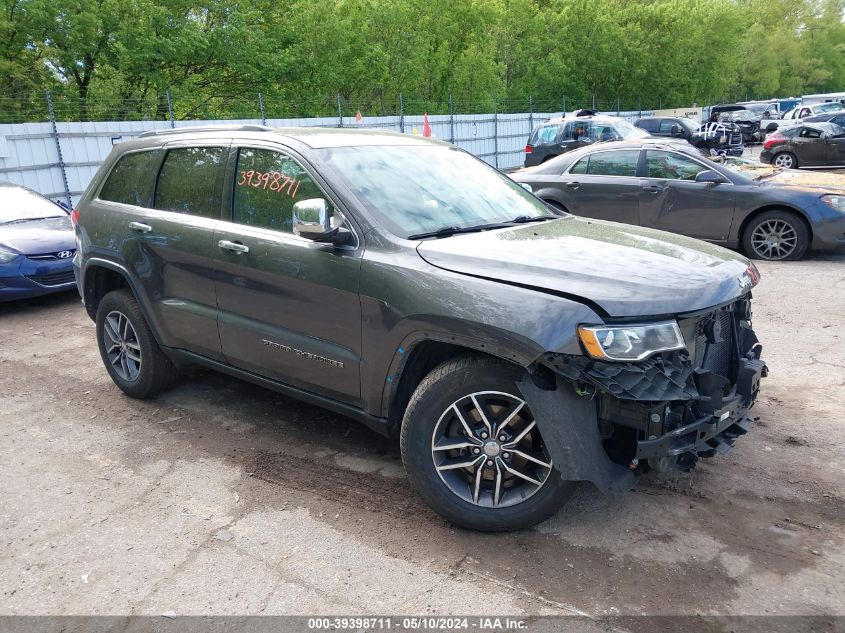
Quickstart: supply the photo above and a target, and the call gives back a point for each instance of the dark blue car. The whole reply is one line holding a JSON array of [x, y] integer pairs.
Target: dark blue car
[[37, 245]]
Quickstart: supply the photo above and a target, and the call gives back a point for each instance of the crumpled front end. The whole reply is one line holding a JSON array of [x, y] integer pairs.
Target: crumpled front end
[[670, 409]]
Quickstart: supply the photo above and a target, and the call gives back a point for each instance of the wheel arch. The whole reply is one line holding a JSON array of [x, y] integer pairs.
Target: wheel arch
[[420, 354], [100, 277], [774, 207]]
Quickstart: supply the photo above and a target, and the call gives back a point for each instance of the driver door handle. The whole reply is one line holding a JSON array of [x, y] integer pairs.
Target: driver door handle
[[234, 247], [140, 227], [653, 188], [573, 185]]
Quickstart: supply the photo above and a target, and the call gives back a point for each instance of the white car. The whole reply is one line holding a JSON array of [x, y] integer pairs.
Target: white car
[[797, 115]]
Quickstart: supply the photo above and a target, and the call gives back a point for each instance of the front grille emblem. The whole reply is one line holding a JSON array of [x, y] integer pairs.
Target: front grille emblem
[[64, 254]]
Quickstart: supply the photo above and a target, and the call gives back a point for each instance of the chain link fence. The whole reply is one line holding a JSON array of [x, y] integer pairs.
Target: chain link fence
[[59, 153]]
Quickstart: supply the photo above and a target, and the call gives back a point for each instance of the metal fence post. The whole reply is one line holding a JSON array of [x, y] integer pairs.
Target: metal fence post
[[530, 114], [339, 112], [401, 113], [617, 105], [564, 106], [170, 108], [594, 102], [261, 107], [640, 106], [58, 148], [495, 134], [451, 120]]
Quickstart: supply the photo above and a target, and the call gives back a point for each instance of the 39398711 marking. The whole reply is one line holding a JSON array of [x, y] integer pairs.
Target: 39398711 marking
[[355, 623], [272, 180]]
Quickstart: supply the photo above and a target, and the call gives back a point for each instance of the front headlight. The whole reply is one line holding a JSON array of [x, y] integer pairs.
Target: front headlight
[[6, 255], [630, 342], [834, 202]]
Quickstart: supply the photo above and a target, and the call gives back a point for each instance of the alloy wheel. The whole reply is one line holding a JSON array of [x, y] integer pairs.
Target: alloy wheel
[[487, 449], [784, 160], [122, 347], [774, 239]]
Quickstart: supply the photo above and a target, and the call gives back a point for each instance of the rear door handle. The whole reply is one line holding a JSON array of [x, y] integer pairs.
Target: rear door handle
[[573, 185], [653, 189], [140, 227], [234, 247]]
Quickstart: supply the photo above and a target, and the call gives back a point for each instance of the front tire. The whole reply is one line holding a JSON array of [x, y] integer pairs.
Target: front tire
[[776, 236], [129, 351], [473, 451], [787, 160]]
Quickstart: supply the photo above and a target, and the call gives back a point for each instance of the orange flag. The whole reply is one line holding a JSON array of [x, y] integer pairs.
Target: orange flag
[[426, 126]]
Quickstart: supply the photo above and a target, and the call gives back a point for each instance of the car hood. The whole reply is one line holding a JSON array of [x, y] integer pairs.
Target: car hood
[[826, 180], [620, 270], [39, 236]]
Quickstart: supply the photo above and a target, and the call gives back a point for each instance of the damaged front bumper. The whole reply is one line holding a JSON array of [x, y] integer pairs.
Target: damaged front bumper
[[662, 413]]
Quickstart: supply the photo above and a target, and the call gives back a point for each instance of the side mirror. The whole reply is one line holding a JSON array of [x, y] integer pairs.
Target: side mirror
[[311, 220], [709, 176], [675, 130]]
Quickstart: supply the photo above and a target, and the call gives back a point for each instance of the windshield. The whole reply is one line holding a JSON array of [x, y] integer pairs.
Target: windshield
[[690, 124], [424, 188], [739, 115], [760, 108], [20, 204], [828, 107], [628, 131]]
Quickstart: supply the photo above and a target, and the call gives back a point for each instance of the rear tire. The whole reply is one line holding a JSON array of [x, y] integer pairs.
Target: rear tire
[[787, 160], [776, 236], [484, 497], [129, 351]]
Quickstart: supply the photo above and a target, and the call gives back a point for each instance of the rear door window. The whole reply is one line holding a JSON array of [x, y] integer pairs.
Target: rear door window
[[672, 166], [614, 163], [190, 181], [131, 179], [267, 185], [666, 126]]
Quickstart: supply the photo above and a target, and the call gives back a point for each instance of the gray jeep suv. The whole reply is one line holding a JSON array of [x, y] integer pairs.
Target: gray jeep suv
[[513, 348]]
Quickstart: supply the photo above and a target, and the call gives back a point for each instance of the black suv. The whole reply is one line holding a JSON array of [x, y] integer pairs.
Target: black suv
[[668, 127], [514, 349]]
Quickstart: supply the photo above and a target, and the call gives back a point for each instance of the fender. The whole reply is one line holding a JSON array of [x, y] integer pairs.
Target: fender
[[143, 301], [523, 355]]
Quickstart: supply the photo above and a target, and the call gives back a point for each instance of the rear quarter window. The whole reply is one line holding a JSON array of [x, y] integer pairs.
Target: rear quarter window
[[131, 179], [649, 125], [544, 135]]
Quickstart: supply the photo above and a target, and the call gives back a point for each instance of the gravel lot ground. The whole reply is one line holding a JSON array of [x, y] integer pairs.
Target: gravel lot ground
[[222, 498]]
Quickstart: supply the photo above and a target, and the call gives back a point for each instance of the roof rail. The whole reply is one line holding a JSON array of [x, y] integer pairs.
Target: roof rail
[[248, 127]]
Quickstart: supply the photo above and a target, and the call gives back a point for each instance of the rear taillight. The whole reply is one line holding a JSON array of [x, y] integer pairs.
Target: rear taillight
[[74, 217], [528, 149], [771, 140]]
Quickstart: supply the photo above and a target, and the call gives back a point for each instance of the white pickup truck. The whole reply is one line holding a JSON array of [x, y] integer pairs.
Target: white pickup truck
[[797, 114]]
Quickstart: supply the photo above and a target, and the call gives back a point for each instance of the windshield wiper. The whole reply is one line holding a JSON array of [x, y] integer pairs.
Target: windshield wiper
[[446, 231], [522, 219]]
